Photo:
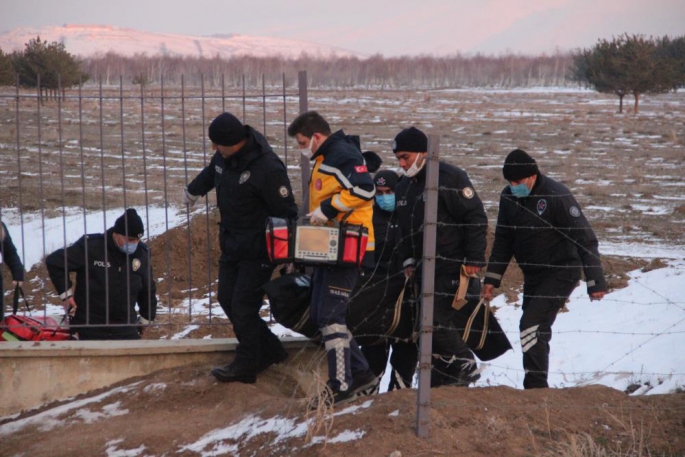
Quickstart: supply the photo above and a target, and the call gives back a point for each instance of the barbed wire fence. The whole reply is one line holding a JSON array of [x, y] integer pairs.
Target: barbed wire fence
[[80, 161]]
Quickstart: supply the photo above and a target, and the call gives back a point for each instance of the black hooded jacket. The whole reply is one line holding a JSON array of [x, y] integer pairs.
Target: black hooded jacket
[[462, 223], [10, 257], [548, 234], [108, 269], [251, 185]]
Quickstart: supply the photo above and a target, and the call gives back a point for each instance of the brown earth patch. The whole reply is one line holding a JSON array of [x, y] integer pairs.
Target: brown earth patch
[[168, 410]]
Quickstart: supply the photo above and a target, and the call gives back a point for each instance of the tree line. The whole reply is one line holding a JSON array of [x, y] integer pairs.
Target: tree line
[[373, 72], [41, 62], [628, 64], [631, 64]]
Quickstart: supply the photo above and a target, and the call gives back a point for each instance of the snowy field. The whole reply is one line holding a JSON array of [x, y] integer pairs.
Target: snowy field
[[626, 171], [634, 336]]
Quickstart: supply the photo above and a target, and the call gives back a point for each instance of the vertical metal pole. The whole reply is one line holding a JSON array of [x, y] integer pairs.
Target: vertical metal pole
[[302, 83], [304, 161], [61, 175], [147, 201], [428, 286], [83, 185], [123, 186], [104, 206], [264, 103], [40, 167], [185, 170], [244, 99], [285, 125], [121, 137], [204, 164], [166, 199], [223, 98], [21, 205]]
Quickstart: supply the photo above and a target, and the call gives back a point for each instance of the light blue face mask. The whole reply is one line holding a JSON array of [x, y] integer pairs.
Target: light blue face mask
[[386, 202], [519, 190], [129, 248]]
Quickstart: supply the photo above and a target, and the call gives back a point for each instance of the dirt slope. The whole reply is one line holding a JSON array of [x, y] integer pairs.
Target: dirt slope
[[186, 412]]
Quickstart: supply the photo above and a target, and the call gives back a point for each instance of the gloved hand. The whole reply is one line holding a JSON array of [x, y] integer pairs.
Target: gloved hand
[[17, 283], [188, 198], [317, 217]]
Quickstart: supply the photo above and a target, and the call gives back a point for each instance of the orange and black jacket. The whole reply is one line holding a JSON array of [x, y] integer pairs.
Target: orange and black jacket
[[340, 183]]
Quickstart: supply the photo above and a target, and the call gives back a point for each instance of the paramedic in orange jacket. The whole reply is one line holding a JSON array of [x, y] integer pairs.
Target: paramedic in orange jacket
[[339, 186]]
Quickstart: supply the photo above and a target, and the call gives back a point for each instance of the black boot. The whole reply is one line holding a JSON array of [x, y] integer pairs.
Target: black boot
[[235, 372], [272, 358]]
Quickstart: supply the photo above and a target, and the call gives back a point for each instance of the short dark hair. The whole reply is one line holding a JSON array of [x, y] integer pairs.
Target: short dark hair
[[308, 124]]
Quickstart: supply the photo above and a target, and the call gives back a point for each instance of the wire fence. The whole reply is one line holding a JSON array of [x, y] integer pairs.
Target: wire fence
[[79, 160]]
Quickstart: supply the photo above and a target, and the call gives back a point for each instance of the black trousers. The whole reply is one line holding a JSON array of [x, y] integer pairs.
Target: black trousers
[[451, 356], [542, 300], [331, 290], [403, 359], [240, 296], [107, 333]]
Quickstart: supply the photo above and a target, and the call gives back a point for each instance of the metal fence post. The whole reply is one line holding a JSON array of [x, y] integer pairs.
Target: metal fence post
[[428, 286], [304, 161]]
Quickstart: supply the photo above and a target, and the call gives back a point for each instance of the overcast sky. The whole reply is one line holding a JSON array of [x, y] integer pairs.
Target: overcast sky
[[389, 27]]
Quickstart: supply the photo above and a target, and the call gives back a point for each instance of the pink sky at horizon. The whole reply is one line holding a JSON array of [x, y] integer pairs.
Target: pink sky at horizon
[[376, 26]]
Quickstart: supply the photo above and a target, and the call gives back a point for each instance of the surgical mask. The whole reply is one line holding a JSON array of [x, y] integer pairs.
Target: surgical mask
[[308, 150], [386, 202], [519, 190], [415, 168], [129, 248]]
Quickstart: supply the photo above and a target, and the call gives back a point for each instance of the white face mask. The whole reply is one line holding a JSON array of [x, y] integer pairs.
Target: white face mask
[[308, 150], [415, 167]]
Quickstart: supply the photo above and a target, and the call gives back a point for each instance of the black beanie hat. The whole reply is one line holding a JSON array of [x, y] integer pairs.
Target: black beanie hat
[[386, 178], [410, 140], [373, 161], [519, 165], [226, 130], [132, 221]]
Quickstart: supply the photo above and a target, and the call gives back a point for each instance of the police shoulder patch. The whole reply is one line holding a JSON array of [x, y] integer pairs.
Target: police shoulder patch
[[283, 191], [542, 206], [574, 211], [467, 192], [244, 177]]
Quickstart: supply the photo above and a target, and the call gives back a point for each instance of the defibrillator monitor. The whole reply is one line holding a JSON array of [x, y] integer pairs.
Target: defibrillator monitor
[[319, 244]]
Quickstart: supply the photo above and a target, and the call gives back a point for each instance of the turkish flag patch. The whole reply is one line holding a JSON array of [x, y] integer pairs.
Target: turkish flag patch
[[361, 169]]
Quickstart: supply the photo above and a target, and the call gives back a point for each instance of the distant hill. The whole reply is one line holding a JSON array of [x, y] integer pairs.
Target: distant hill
[[88, 40]]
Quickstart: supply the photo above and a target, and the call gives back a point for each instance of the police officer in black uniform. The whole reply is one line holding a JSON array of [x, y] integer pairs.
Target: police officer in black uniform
[[9, 257], [540, 224], [113, 273], [251, 184], [461, 229], [404, 354]]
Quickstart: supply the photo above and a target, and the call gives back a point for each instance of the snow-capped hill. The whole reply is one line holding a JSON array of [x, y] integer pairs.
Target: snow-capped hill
[[87, 40]]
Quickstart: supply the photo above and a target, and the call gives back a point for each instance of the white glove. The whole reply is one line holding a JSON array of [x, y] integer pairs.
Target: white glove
[[188, 198], [317, 217]]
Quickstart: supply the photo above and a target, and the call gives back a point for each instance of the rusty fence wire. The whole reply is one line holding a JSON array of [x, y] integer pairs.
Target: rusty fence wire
[[73, 163]]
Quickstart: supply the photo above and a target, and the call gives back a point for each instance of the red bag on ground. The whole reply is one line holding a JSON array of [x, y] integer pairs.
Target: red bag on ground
[[30, 328]]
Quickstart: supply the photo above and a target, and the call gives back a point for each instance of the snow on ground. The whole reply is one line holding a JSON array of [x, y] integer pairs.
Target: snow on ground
[[37, 238], [79, 409], [634, 335]]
